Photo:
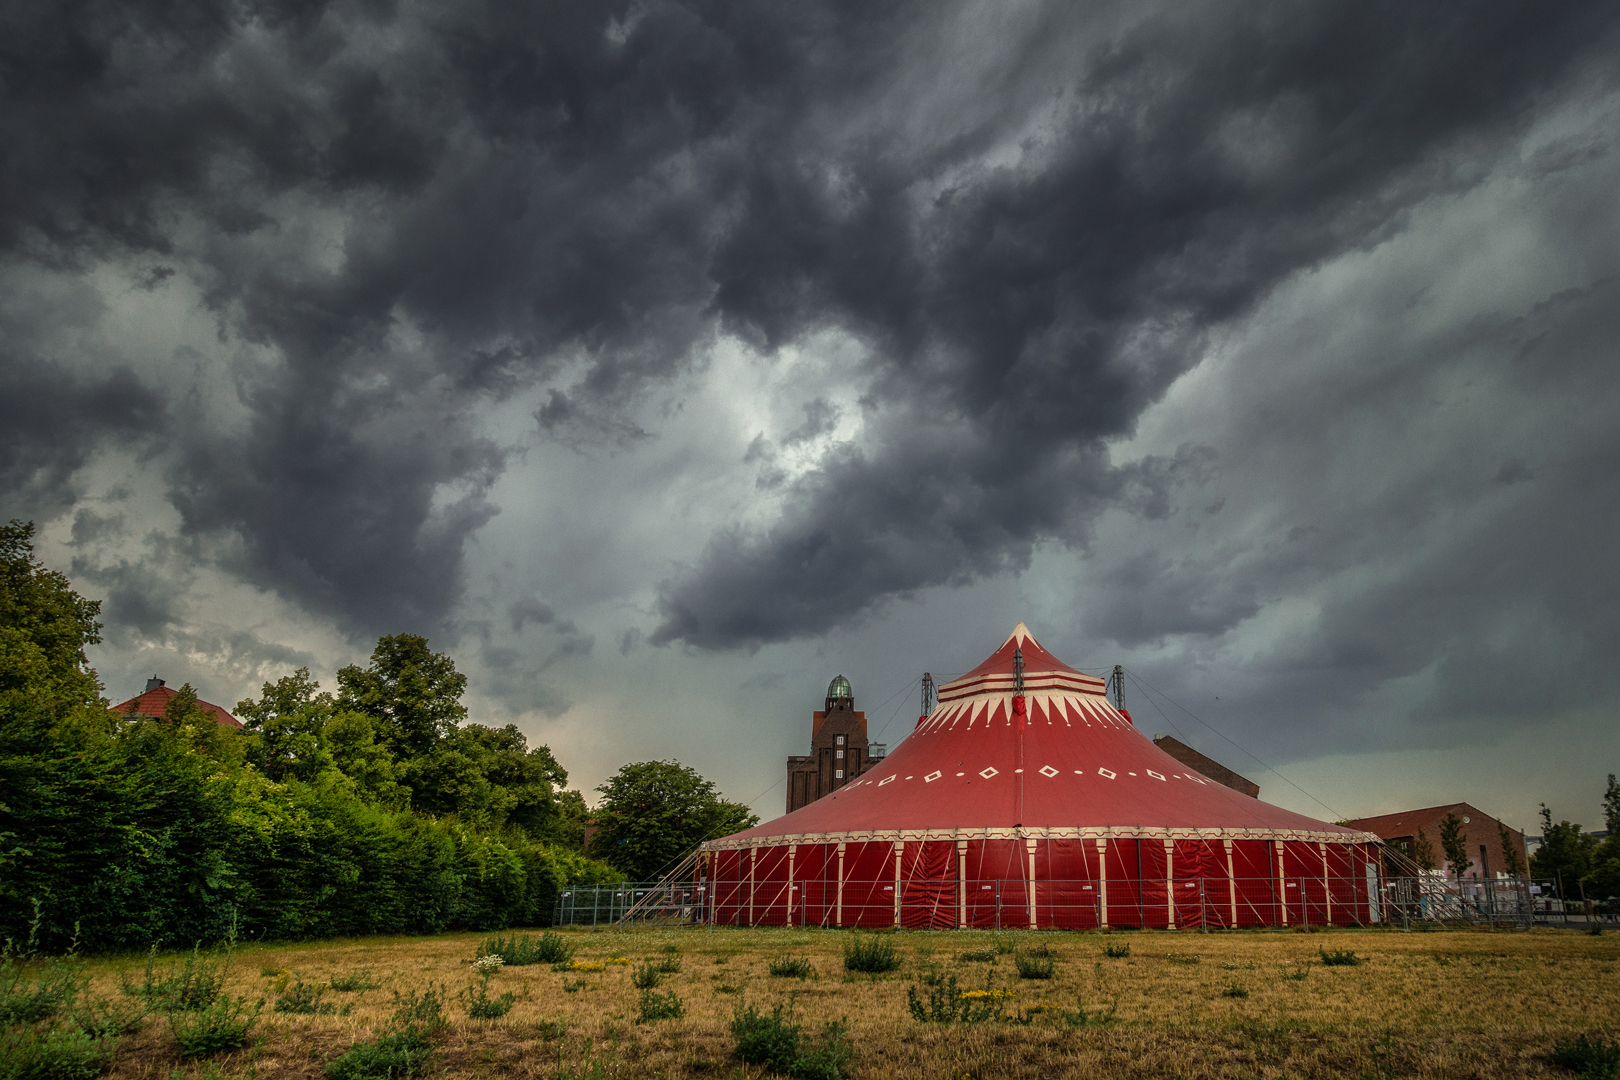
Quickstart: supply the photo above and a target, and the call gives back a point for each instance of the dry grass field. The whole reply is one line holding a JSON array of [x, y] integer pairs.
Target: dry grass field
[[1439, 1004]]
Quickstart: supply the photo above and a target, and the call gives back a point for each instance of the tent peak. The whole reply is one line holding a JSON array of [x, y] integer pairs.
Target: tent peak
[[1020, 633]]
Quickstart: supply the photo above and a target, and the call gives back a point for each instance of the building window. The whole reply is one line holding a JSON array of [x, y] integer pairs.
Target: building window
[[839, 773], [840, 755], [840, 741]]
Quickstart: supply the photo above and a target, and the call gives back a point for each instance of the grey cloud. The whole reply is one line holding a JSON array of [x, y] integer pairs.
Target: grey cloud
[[530, 609], [820, 417], [420, 210]]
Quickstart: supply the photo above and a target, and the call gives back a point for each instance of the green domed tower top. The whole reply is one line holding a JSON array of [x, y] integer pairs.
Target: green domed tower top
[[840, 695]]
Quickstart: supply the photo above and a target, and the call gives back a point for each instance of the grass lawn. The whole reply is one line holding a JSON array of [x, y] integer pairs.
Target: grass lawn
[[1181, 1004]]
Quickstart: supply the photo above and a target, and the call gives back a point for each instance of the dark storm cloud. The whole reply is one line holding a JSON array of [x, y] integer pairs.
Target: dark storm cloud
[[422, 210]]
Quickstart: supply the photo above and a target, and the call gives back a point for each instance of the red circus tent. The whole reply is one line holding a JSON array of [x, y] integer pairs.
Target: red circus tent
[[1040, 809]]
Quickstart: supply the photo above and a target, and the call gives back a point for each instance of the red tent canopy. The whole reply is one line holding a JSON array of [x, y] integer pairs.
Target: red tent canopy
[[1052, 789]]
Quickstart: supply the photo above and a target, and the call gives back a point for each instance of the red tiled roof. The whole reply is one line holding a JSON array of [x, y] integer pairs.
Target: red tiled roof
[[1408, 822], [155, 704]]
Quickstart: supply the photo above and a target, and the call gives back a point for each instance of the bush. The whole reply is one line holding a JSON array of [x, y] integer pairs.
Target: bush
[[223, 1025], [872, 955], [66, 1053], [348, 984], [304, 999], [422, 1012], [791, 967], [404, 1053], [777, 1044], [1591, 1058], [193, 987], [1116, 952], [669, 965], [25, 1002], [480, 1006], [646, 976], [1034, 967], [1339, 958], [656, 1006], [1043, 949], [943, 1002], [981, 956], [521, 950]]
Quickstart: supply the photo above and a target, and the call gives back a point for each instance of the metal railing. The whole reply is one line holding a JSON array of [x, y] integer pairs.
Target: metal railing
[[605, 905]]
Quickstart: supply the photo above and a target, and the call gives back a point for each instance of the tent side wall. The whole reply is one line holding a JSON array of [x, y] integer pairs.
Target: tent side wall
[[1070, 883]]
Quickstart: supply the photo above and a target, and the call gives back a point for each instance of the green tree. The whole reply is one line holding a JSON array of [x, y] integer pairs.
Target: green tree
[[413, 693], [1565, 855], [488, 776], [1611, 808], [1423, 851], [654, 812], [1512, 863], [44, 628], [1454, 842]]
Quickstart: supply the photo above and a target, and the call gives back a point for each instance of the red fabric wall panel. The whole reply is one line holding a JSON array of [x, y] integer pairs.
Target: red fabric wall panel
[[993, 868], [1066, 886], [1125, 901], [1200, 884], [1254, 864], [928, 874], [869, 883]]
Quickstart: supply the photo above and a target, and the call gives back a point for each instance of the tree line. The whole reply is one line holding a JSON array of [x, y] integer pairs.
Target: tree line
[[377, 808]]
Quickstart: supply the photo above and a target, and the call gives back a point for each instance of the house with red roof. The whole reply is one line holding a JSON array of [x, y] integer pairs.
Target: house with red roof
[[153, 703], [1481, 830]]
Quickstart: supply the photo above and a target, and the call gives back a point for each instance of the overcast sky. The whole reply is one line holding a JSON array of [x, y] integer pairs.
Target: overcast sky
[[661, 361]]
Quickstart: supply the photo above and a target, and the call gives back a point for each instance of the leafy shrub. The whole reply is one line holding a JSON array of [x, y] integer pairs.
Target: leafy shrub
[[656, 1006], [304, 999], [1339, 958], [1033, 967], [1592, 1058], [669, 965], [791, 967], [1004, 944], [28, 1002], [943, 1002], [872, 955], [480, 1006], [779, 1045], [520, 950], [646, 976], [65, 1052], [403, 1053], [222, 1025], [1117, 952], [1234, 991], [1043, 949], [980, 956], [348, 984], [192, 987], [422, 1012], [102, 1019]]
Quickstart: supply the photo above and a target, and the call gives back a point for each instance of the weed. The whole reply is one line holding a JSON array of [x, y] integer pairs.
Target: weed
[[1383, 1060], [304, 999], [1297, 975], [943, 1002], [423, 1012], [871, 955], [580, 965], [1117, 952], [791, 967], [223, 1024], [550, 1029], [1004, 944], [480, 1006], [1043, 949], [980, 956], [673, 950], [656, 1006], [104, 1019], [521, 950], [722, 960], [28, 1002], [348, 984], [1184, 958], [669, 965], [404, 1053], [1078, 1017], [573, 987], [193, 987], [646, 976], [1233, 990], [1339, 958], [728, 988], [1033, 967], [1593, 1058], [26, 1053], [779, 1045]]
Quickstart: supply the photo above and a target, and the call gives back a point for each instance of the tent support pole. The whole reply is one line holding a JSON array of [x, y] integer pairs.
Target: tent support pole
[[961, 884], [1102, 884]]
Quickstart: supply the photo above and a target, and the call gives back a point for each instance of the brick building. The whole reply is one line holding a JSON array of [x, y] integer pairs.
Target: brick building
[[1209, 767], [1400, 831], [839, 749]]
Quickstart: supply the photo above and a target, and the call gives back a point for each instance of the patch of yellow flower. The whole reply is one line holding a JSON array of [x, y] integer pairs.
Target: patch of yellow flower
[[280, 980], [585, 965], [988, 995]]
